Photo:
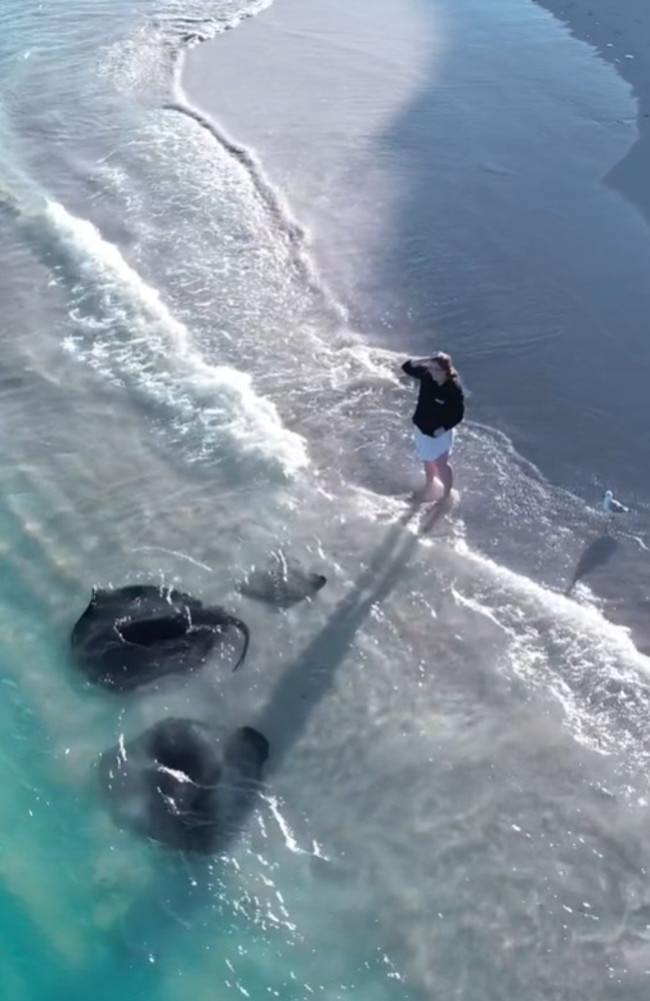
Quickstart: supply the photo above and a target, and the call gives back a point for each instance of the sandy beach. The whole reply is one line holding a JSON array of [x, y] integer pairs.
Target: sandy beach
[[383, 75], [327, 81], [620, 32], [320, 70]]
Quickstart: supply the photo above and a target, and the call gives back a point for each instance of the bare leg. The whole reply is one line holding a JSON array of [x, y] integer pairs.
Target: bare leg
[[446, 474], [430, 469]]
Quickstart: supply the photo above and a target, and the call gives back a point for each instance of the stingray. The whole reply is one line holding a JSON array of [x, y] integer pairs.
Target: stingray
[[133, 635], [179, 785], [283, 584]]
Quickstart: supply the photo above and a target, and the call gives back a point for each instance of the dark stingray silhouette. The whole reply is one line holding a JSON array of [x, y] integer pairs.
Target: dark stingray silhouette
[[177, 784], [595, 554], [133, 635], [283, 583]]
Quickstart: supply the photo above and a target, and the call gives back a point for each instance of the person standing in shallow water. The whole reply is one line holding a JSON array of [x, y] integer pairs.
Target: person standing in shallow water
[[440, 408]]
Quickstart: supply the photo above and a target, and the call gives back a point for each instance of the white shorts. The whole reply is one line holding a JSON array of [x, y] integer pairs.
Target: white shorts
[[430, 449]]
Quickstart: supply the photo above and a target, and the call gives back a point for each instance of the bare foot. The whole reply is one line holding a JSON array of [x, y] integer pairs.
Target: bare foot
[[428, 494], [445, 503]]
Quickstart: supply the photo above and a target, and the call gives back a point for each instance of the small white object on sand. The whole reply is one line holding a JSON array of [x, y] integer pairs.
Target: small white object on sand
[[612, 506]]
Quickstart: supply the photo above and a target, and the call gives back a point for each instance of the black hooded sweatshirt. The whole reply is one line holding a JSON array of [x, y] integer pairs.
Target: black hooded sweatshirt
[[438, 406]]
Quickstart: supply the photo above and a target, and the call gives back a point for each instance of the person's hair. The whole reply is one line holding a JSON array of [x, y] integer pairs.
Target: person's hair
[[446, 364]]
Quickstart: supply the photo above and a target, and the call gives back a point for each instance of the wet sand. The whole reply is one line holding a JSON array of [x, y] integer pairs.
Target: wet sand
[[620, 33], [310, 87]]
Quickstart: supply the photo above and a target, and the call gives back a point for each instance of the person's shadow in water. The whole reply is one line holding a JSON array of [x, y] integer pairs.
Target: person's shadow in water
[[308, 680]]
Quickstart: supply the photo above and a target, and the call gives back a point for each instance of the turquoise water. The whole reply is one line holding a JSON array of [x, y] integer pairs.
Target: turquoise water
[[456, 802]]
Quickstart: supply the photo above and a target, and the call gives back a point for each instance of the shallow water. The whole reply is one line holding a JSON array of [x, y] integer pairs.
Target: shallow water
[[456, 801]]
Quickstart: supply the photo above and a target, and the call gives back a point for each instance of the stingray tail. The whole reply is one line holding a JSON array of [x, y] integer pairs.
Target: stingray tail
[[241, 626]]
